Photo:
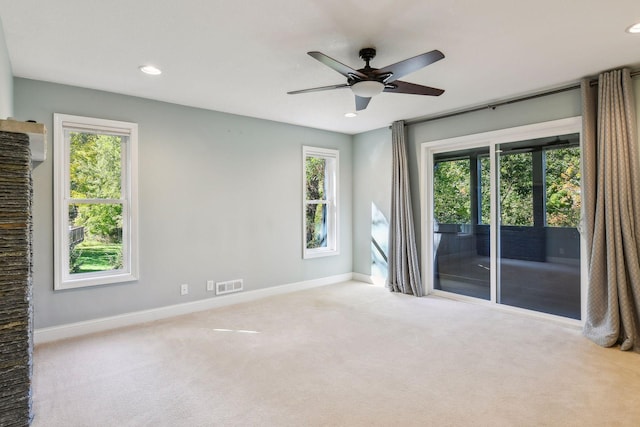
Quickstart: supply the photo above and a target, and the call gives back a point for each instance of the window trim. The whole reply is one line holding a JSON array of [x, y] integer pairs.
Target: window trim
[[62, 278], [333, 244]]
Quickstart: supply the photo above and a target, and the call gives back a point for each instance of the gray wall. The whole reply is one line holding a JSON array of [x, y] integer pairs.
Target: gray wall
[[371, 190], [6, 79], [203, 175], [220, 198]]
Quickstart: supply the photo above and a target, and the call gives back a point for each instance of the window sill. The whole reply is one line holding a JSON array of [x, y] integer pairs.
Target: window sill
[[95, 280], [319, 253]]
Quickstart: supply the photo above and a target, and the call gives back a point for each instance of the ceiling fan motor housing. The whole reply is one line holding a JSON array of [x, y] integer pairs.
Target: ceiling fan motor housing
[[367, 54]]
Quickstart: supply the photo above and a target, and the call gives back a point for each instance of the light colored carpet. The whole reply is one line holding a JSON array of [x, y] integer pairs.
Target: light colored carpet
[[350, 354]]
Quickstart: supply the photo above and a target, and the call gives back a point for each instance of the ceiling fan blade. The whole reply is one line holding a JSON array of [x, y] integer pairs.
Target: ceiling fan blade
[[345, 70], [408, 66], [361, 103], [412, 88], [318, 89]]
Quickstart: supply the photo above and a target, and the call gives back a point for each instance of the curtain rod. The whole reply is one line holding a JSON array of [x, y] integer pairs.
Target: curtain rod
[[493, 106]]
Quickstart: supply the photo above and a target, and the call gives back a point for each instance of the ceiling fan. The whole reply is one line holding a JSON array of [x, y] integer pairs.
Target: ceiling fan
[[368, 82]]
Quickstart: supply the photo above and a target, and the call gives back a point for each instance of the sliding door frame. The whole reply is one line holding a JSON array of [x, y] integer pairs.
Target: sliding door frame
[[490, 139]]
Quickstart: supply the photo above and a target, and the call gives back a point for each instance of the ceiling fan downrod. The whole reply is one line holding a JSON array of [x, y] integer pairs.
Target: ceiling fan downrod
[[367, 54]]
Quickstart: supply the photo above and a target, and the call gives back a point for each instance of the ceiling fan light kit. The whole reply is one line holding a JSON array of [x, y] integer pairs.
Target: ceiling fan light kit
[[634, 29], [368, 82], [367, 88]]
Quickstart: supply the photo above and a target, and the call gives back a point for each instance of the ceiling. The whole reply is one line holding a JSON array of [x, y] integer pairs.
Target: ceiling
[[243, 56]]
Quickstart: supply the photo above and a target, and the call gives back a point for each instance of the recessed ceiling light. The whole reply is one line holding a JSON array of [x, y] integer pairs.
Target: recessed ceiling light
[[151, 70], [350, 114], [634, 29]]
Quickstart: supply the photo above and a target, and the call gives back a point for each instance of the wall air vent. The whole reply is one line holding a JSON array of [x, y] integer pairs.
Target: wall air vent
[[229, 286]]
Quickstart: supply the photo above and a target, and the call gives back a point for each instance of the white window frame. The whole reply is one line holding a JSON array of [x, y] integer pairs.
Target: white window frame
[[129, 272], [332, 175]]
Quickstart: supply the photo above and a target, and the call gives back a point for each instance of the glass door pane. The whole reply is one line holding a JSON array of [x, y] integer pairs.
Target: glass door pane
[[461, 233], [539, 244]]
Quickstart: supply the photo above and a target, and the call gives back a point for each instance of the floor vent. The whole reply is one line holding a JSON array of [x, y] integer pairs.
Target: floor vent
[[229, 286]]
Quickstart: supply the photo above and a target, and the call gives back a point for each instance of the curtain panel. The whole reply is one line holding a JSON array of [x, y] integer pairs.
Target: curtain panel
[[611, 171], [404, 268]]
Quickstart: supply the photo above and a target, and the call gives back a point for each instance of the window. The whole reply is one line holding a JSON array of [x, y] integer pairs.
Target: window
[[95, 201], [452, 204], [485, 190], [320, 196], [563, 198], [553, 166], [516, 187]]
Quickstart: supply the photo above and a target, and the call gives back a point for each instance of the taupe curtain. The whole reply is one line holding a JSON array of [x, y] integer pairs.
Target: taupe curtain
[[612, 211], [404, 269]]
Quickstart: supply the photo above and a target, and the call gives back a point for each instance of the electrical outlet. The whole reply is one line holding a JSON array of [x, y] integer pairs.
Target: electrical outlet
[[184, 289], [210, 286]]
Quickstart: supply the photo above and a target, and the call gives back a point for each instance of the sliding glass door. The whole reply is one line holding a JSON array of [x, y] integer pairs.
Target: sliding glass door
[[503, 217]]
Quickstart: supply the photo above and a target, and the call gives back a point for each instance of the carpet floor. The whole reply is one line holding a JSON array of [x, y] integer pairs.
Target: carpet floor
[[349, 354]]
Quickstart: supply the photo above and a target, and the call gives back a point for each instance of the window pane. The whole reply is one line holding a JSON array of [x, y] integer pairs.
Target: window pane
[[485, 186], [451, 183], [316, 225], [95, 166], [316, 182], [563, 197], [95, 237], [461, 249], [539, 265], [516, 189]]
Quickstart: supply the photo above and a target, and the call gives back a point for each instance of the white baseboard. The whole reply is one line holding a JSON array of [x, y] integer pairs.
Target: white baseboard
[[70, 330], [374, 280]]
